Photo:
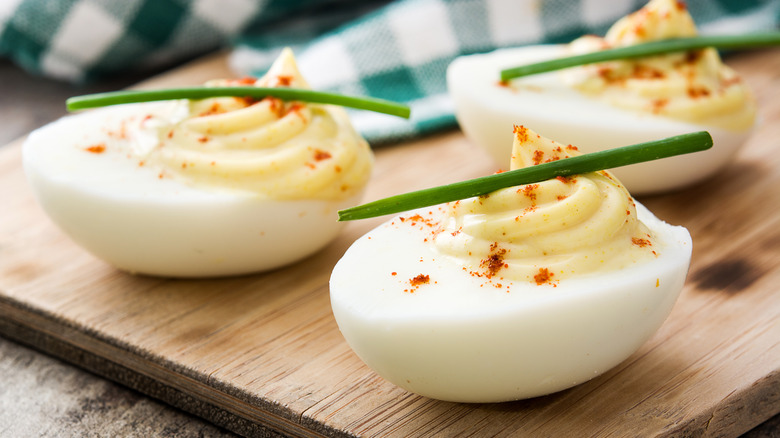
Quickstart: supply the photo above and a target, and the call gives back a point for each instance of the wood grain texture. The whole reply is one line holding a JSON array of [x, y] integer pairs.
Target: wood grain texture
[[263, 351]]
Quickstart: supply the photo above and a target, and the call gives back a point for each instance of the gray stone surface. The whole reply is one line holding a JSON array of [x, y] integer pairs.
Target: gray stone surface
[[43, 397]]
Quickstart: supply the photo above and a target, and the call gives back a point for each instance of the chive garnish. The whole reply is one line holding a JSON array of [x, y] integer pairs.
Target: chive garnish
[[592, 162], [647, 49], [121, 97]]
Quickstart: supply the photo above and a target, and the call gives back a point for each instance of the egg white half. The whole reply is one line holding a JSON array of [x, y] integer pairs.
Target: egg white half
[[487, 111], [463, 338], [126, 214]]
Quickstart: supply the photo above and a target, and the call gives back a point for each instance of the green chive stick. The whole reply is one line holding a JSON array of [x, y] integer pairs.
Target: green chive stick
[[121, 97], [647, 49], [653, 150]]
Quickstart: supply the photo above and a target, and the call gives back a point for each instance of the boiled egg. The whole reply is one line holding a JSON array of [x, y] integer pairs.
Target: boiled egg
[[222, 186], [606, 105], [522, 292]]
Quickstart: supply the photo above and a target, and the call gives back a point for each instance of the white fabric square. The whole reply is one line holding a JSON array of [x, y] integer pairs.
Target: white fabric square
[[599, 12], [375, 124], [7, 9], [57, 67], [423, 31], [76, 36], [229, 16], [327, 63], [244, 60], [436, 105], [514, 21]]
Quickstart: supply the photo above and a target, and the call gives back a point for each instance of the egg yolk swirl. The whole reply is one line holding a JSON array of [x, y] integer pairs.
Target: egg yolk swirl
[[694, 87], [546, 231], [278, 149]]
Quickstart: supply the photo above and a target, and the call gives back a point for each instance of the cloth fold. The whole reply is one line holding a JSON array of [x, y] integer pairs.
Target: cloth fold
[[395, 50]]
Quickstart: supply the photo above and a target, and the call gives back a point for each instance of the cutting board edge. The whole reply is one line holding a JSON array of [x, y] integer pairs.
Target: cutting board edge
[[48, 334], [51, 335], [721, 421]]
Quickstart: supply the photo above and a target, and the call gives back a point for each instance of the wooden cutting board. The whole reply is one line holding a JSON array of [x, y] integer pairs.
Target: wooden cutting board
[[263, 353]]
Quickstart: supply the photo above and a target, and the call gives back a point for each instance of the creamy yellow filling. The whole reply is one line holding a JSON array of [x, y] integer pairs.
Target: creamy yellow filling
[[282, 150], [546, 231], [694, 87]]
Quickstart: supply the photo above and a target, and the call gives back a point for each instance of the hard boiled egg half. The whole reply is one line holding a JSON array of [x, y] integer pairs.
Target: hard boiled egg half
[[214, 187], [607, 105], [519, 293]]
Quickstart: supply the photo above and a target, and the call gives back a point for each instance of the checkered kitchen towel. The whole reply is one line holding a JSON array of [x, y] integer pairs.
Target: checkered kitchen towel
[[394, 50]]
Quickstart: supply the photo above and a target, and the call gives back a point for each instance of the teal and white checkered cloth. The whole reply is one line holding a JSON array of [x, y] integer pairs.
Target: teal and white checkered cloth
[[394, 50]]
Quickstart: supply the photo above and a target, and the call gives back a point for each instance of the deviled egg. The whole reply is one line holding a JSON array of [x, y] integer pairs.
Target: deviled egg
[[606, 105], [522, 292], [213, 187]]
